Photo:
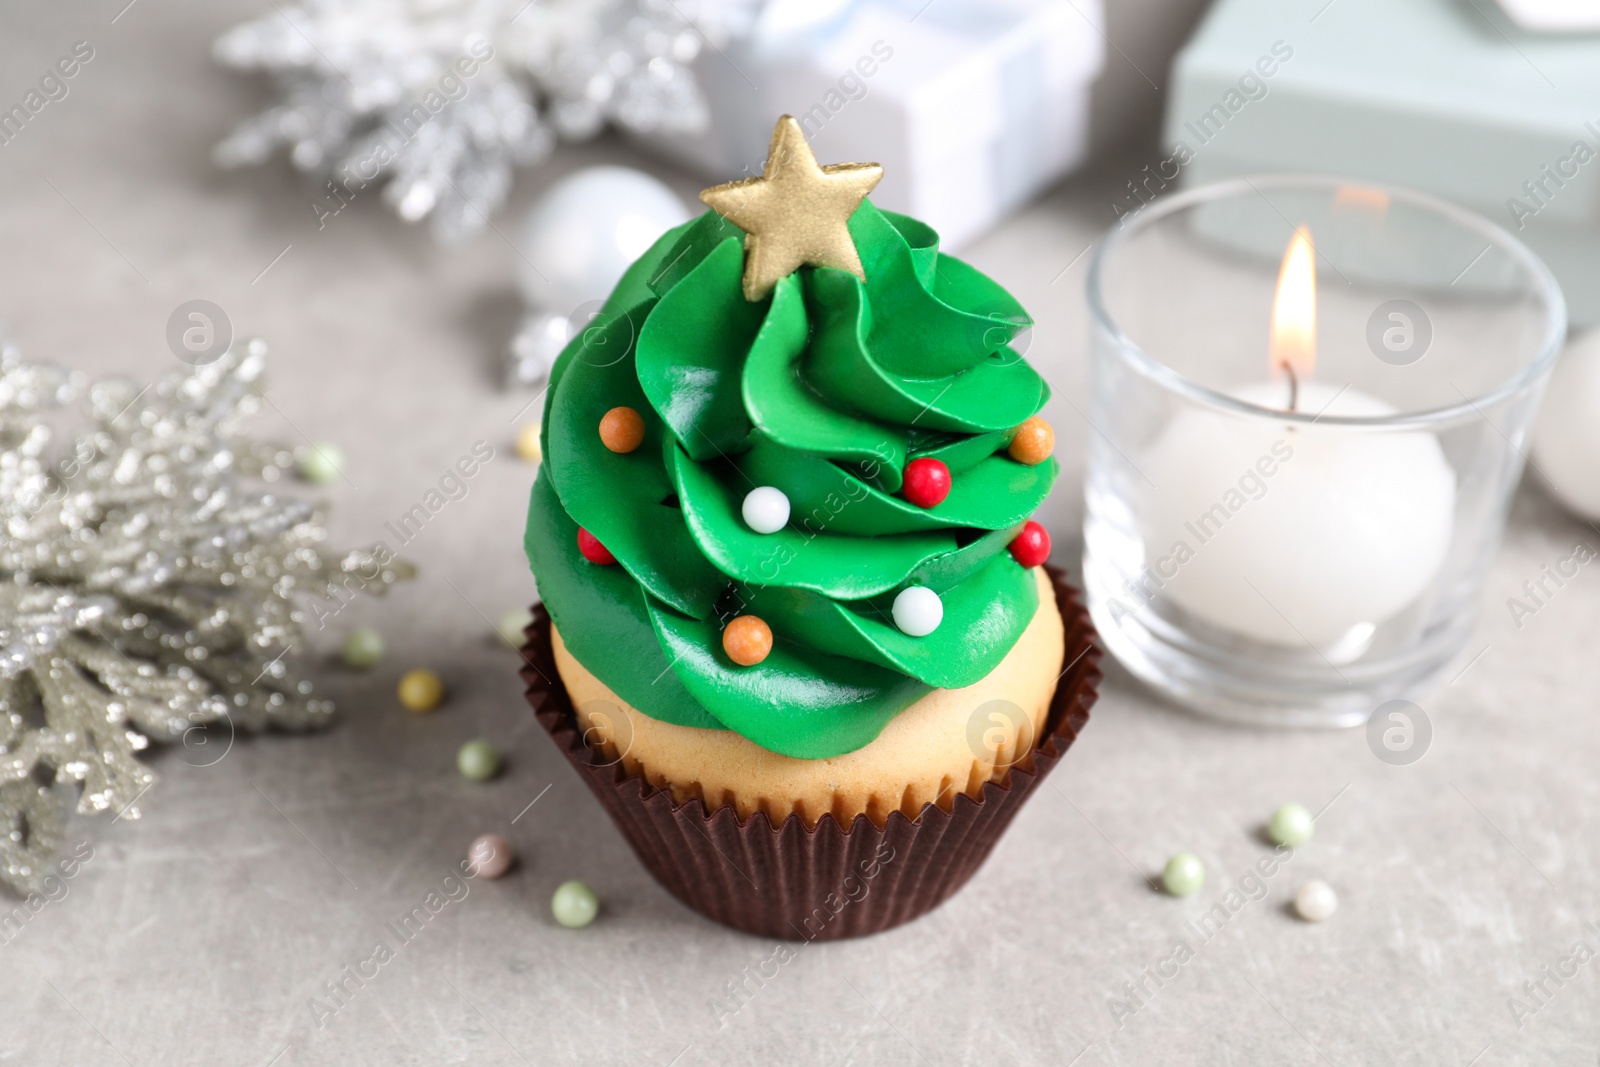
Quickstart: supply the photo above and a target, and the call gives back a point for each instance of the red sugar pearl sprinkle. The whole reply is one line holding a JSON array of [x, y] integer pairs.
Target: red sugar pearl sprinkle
[[1031, 547], [926, 482], [592, 549]]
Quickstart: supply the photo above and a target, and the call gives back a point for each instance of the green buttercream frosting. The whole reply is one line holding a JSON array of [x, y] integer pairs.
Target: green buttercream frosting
[[826, 390]]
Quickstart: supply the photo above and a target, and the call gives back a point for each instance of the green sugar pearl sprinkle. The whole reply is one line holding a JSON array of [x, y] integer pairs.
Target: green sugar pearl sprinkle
[[574, 905], [1184, 875], [1291, 824], [363, 649], [320, 463], [511, 625], [478, 761]]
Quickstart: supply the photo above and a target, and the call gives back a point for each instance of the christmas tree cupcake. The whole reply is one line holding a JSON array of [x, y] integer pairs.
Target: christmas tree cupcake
[[799, 635]]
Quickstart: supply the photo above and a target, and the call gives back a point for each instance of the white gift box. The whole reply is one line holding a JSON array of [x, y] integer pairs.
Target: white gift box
[[971, 107]]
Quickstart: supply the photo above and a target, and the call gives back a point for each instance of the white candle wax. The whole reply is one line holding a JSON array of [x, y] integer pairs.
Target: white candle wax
[[1292, 533]]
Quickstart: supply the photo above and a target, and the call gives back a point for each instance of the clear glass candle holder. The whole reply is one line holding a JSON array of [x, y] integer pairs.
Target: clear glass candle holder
[[1281, 544]]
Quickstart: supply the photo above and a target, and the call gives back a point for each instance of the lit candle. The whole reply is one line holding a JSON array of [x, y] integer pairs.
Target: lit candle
[[1295, 533]]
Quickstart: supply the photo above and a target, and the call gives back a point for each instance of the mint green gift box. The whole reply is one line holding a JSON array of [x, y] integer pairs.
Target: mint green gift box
[[1445, 96]]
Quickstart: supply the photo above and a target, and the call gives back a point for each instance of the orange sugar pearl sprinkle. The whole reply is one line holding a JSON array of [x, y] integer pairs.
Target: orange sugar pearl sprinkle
[[1033, 442], [621, 429], [747, 640]]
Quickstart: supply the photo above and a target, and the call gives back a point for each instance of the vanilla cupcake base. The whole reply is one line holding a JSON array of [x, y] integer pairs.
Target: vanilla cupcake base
[[950, 741]]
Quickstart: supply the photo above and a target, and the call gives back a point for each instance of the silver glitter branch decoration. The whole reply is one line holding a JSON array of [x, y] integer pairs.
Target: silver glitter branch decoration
[[443, 98], [150, 588]]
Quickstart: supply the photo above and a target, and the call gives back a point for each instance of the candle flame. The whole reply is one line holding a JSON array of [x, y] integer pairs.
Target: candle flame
[[1293, 346]]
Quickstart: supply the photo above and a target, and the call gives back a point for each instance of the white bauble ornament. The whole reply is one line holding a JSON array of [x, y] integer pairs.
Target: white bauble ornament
[[918, 611], [766, 510], [585, 231], [1566, 442]]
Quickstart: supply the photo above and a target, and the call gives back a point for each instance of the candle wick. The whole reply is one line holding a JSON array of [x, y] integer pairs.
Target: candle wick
[[1294, 387]]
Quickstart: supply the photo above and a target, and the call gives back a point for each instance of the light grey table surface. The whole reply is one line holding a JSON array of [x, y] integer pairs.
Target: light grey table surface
[[201, 933]]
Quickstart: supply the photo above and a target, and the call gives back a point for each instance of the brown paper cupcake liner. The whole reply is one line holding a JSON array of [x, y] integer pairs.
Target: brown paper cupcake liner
[[826, 882]]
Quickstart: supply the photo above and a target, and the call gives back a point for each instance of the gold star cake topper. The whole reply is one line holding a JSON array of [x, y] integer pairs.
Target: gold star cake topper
[[796, 214]]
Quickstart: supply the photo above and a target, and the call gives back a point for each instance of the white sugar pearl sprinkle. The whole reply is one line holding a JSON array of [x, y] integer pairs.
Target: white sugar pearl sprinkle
[[766, 510], [918, 611], [1315, 901]]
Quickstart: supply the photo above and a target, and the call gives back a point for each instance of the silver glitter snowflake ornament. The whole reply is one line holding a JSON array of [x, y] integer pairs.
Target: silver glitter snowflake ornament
[[150, 588], [439, 100]]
